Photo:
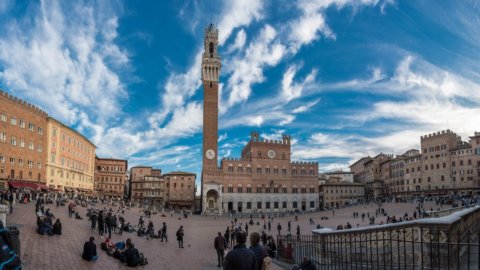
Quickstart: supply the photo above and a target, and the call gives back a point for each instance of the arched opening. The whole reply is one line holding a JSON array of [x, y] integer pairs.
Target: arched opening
[[230, 206], [304, 205], [210, 49], [239, 207], [212, 197]]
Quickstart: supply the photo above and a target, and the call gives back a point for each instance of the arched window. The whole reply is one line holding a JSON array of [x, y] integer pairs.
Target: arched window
[[211, 48]]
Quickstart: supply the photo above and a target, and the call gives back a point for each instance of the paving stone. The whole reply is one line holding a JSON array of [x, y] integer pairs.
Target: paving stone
[[64, 252]]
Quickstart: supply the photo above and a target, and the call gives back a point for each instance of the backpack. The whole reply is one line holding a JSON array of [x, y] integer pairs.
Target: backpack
[[8, 257]]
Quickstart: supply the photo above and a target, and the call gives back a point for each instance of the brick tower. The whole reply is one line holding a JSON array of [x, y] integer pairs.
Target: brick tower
[[211, 66]]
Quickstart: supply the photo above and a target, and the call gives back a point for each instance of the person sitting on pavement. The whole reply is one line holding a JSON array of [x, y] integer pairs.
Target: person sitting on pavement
[[57, 227], [132, 256], [45, 227], [77, 215], [90, 250]]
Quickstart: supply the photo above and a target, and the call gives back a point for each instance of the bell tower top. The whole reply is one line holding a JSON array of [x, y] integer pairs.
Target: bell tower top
[[211, 62]]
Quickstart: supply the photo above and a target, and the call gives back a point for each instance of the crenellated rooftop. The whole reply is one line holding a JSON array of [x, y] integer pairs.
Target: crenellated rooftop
[[304, 163], [22, 103], [437, 134]]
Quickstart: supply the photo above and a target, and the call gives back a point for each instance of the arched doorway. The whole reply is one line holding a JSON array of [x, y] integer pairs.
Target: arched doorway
[[239, 207], [304, 205], [212, 197], [230, 206]]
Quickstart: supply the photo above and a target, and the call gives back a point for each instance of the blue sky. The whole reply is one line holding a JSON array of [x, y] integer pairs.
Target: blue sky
[[346, 78]]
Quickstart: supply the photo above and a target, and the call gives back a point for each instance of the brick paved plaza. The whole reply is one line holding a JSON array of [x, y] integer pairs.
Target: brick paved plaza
[[64, 252]]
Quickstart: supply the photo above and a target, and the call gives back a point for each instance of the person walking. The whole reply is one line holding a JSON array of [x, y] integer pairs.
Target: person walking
[[279, 228], [220, 244], [164, 233], [101, 224], [227, 236], [180, 234], [246, 228], [93, 219], [240, 257]]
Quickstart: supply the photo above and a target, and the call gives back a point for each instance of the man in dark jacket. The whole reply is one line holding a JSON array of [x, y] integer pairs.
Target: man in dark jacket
[[90, 250], [240, 258], [220, 243], [164, 233], [132, 256]]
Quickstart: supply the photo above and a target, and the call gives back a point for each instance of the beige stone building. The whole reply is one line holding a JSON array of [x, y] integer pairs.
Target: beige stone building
[[339, 176], [23, 140], [70, 162], [368, 171], [180, 191], [446, 165], [110, 176], [263, 178], [339, 194]]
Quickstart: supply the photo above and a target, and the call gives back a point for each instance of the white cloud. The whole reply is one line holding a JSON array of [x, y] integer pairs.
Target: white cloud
[[66, 59], [276, 135], [238, 13], [247, 69], [240, 40], [306, 107], [307, 27], [222, 137], [292, 90]]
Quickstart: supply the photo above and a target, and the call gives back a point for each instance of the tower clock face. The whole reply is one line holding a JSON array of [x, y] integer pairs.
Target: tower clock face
[[210, 154], [271, 154]]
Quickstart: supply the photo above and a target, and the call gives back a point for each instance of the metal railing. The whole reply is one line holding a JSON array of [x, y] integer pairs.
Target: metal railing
[[450, 242]]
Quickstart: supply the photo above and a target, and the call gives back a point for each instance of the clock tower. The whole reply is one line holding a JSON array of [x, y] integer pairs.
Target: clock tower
[[211, 66]]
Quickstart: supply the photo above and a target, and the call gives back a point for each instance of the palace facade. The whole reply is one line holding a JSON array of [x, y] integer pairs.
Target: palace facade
[[263, 178]]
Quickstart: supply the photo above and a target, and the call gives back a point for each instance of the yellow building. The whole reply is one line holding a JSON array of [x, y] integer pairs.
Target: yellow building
[[70, 163]]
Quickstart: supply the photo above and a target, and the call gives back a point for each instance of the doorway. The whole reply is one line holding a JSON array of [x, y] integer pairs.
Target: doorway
[[230, 206], [304, 206], [239, 207]]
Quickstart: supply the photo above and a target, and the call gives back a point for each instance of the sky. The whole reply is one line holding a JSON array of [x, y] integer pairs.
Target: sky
[[345, 78]]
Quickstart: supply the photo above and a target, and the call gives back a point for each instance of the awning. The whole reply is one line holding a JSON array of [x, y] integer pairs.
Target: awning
[[68, 189], [43, 187], [18, 184]]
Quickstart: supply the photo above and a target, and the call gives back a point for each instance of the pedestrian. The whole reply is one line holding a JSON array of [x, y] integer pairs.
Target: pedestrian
[[227, 236], [298, 232], [180, 234], [279, 228], [269, 226], [10, 200], [93, 219], [246, 228], [164, 233], [289, 225], [101, 224], [260, 252], [240, 257], [220, 244]]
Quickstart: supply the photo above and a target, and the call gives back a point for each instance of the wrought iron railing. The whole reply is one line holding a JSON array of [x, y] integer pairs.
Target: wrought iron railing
[[450, 242]]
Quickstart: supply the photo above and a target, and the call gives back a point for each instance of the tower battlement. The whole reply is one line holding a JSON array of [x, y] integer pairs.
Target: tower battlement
[[255, 137], [438, 134]]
